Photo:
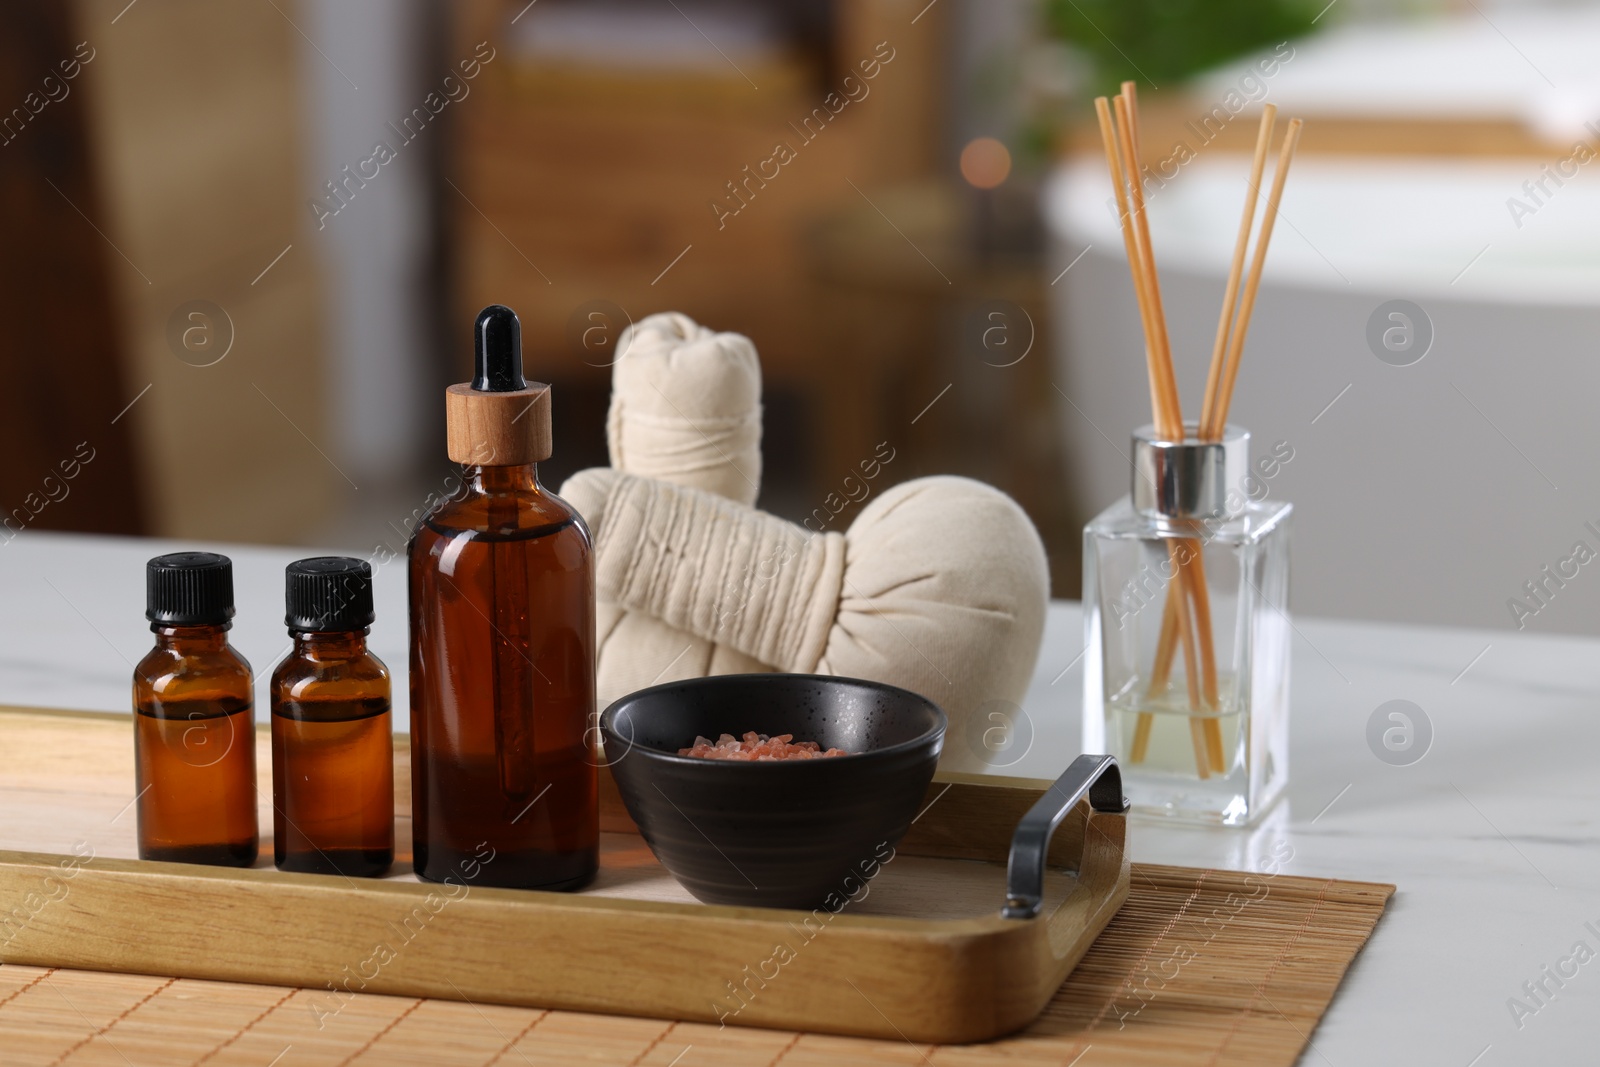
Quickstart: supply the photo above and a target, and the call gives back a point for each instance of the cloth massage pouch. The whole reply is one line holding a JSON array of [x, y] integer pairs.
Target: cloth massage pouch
[[938, 586]]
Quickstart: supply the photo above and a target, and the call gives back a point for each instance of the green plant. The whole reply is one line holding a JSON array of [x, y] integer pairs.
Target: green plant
[[1158, 42]]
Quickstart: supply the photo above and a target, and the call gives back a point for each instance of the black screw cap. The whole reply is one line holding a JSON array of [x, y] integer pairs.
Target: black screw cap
[[328, 594], [189, 589]]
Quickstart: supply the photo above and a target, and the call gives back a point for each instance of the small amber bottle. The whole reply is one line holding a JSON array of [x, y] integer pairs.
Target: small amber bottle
[[194, 737], [332, 745], [502, 647]]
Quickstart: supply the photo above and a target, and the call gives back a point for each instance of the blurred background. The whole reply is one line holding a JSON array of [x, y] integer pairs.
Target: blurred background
[[242, 244]]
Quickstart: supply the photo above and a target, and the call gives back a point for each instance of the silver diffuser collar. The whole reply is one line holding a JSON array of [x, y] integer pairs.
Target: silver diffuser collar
[[1192, 479]]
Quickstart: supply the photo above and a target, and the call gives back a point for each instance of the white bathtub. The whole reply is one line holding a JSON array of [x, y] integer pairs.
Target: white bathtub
[[1427, 493]]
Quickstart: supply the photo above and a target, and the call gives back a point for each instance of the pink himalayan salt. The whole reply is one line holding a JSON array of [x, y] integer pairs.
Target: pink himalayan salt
[[758, 747]]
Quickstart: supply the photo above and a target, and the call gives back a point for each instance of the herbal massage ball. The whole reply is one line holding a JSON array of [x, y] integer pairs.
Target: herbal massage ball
[[940, 585]]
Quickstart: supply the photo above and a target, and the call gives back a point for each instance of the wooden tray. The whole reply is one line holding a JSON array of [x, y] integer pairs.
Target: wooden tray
[[941, 946]]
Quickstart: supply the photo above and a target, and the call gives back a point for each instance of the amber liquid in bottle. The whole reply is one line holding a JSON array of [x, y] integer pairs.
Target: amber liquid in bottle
[[195, 749], [502, 687], [332, 758]]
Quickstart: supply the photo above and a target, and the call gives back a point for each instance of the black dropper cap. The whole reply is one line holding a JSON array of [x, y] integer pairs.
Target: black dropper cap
[[328, 594], [189, 589], [497, 351]]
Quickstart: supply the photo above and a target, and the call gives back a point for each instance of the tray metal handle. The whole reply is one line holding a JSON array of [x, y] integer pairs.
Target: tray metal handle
[[1096, 776]]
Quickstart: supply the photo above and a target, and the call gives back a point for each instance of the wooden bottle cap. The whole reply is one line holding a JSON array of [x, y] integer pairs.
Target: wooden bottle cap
[[489, 429]]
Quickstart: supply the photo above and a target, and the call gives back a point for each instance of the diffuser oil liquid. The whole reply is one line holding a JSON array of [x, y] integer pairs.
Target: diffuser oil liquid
[[1171, 785]]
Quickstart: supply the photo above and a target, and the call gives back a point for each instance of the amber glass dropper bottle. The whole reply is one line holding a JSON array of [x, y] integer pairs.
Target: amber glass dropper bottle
[[332, 742], [503, 783], [194, 737]]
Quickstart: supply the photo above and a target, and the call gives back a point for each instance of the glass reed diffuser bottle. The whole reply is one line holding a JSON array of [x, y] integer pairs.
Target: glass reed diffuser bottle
[[1186, 590]]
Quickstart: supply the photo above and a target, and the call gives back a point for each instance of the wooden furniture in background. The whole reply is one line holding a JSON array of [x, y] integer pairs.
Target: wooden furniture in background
[[1173, 117], [856, 271], [196, 122], [573, 183], [69, 461]]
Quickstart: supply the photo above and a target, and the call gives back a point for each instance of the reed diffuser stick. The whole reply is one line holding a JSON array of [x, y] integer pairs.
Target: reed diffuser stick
[[1186, 589], [1119, 140], [1189, 556], [1162, 361], [1200, 593], [1197, 733], [1230, 295], [1213, 380], [1247, 303], [1108, 139], [1159, 673], [1214, 416]]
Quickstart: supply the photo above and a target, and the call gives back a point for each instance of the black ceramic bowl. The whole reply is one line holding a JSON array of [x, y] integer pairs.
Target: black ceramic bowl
[[781, 833]]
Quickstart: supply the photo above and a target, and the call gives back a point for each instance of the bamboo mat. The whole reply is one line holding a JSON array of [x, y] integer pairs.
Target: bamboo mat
[[1199, 967]]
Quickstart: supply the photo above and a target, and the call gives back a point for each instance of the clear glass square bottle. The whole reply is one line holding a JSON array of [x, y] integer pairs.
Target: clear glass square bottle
[[1186, 597]]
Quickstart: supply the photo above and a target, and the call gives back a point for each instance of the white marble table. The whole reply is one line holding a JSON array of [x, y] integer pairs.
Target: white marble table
[[1492, 837]]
